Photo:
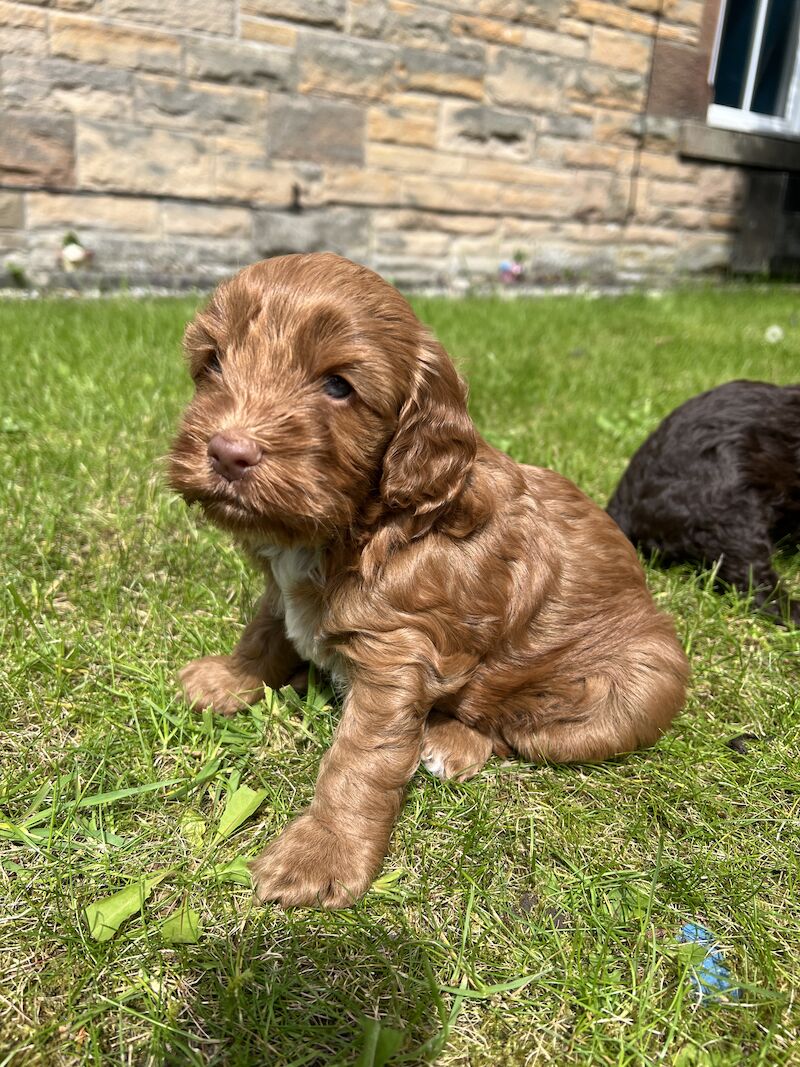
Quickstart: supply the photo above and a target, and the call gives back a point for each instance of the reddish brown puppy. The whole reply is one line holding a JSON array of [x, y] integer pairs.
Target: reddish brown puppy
[[462, 603]]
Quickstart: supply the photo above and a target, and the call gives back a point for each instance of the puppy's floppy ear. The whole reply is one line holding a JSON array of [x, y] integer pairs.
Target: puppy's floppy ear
[[429, 457]]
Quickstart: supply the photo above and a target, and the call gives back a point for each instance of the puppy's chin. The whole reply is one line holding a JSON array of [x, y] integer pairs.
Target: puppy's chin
[[257, 527]]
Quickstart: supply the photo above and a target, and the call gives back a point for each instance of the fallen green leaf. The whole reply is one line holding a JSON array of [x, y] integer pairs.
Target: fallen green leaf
[[379, 1044], [485, 991], [234, 871], [193, 827], [183, 927], [242, 803], [107, 915]]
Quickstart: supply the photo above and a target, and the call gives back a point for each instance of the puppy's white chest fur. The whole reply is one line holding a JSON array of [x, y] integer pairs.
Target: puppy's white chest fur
[[298, 575]]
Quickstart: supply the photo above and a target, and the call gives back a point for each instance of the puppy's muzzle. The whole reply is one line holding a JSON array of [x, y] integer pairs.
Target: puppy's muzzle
[[232, 455]]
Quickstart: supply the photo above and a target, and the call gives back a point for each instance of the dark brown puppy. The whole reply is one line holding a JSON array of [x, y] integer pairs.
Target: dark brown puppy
[[464, 604], [719, 482]]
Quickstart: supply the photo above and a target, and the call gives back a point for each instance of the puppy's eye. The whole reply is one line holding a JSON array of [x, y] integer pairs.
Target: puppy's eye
[[337, 387], [213, 365]]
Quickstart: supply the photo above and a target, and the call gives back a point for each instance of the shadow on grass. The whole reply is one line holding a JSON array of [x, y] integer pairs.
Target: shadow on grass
[[308, 989]]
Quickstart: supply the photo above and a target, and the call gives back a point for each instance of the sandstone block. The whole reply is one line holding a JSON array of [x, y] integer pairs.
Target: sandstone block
[[613, 14], [242, 172], [60, 85], [336, 229], [678, 34], [618, 127], [209, 16], [720, 186], [577, 27], [240, 63], [494, 30], [143, 160], [690, 218], [37, 149], [313, 12], [555, 43], [598, 156], [92, 42], [661, 133], [608, 88], [64, 212], [82, 7], [673, 193], [522, 80], [451, 194], [23, 41], [567, 126], [206, 108], [689, 12], [667, 166], [321, 131], [481, 130], [17, 16], [533, 201], [624, 51], [706, 253], [404, 123], [345, 67], [25, 80], [360, 185], [410, 24], [205, 220], [534, 12], [651, 234], [436, 72], [419, 160], [724, 220], [511, 173], [424, 243], [268, 32], [177, 259], [550, 149], [11, 241], [370, 18], [12, 215], [425, 220]]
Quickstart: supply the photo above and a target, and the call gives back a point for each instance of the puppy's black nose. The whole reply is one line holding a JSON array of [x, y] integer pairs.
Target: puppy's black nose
[[231, 455]]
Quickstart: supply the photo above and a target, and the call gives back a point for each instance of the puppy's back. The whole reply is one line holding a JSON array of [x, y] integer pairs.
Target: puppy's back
[[683, 478]]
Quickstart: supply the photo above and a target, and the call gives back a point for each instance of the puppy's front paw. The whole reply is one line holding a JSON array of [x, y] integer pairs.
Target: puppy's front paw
[[312, 866], [214, 682]]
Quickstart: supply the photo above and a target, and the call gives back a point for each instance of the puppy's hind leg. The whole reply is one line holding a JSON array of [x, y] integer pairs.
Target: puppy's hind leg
[[616, 716], [451, 749]]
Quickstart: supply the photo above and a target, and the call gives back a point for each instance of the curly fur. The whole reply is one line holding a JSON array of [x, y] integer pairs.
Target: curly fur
[[719, 482], [462, 603]]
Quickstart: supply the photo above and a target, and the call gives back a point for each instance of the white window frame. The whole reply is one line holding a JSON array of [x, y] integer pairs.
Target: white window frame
[[734, 118]]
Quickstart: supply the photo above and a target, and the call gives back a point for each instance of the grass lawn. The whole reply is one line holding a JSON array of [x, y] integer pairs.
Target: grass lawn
[[528, 916]]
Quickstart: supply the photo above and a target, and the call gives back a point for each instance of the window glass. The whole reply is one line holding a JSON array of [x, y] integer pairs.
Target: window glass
[[778, 52], [734, 51]]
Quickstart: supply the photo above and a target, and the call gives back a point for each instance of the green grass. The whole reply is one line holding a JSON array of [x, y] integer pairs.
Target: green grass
[[549, 898]]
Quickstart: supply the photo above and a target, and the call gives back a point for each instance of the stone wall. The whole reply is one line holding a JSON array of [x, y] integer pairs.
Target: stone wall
[[179, 140]]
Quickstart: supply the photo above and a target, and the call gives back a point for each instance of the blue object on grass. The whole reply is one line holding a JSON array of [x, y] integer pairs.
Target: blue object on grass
[[710, 977]]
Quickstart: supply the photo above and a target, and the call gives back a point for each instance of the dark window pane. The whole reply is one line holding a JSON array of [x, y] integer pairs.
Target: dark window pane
[[778, 51], [734, 50]]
